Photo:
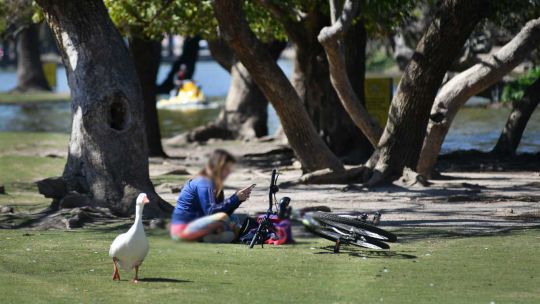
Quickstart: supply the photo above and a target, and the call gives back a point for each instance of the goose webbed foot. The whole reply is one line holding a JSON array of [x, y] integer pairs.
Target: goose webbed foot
[[136, 278], [116, 274]]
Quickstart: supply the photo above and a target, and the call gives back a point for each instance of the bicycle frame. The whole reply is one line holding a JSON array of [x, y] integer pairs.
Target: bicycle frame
[[266, 226]]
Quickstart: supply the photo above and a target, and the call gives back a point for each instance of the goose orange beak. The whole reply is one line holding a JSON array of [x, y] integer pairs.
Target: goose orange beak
[[146, 200]]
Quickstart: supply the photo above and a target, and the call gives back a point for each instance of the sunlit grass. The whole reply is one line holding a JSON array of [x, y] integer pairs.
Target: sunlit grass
[[33, 97], [68, 267], [17, 143]]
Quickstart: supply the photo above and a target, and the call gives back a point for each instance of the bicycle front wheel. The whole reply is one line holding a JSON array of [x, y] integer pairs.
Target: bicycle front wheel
[[358, 226]]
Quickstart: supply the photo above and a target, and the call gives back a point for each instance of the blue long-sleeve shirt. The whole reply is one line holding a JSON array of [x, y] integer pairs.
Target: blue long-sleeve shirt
[[197, 199]]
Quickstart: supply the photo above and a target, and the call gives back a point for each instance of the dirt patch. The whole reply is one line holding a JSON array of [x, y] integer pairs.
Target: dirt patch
[[463, 201]]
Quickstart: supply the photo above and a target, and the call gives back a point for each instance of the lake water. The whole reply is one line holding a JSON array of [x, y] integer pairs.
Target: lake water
[[474, 128]]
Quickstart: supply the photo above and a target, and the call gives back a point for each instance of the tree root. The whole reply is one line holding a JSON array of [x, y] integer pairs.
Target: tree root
[[327, 176], [209, 131], [202, 134], [363, 175], [65, 196], [60, 219], [279, 157]]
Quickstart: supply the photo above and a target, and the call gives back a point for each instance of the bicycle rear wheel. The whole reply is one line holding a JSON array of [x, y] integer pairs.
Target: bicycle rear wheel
[[358, 226]]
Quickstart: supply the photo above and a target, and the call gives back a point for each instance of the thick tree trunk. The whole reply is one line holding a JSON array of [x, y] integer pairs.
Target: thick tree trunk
[[332, 40], [30, 76], [246, 109], [107, 160], [517, 121], [312, 82], [147, 57], [441, 43], [454, 94], [245, 115], [308, 146], [189, 56]]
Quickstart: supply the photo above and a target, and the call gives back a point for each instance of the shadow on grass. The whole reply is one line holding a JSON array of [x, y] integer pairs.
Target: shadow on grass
[[406, 235], [360, 253], [163, 280]]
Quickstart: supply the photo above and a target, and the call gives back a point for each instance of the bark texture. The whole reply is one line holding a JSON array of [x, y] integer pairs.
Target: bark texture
[[147, 57], [332, 40], [312, 82], [312, 152], [442, 42], [517, 121], [245, 115], [455, 93], [107, 163], [30, 76], [311, 79]]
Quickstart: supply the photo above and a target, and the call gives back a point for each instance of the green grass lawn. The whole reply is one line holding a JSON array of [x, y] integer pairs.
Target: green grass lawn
[[32, 97], [74, 267], [21, 166], [16, 142]]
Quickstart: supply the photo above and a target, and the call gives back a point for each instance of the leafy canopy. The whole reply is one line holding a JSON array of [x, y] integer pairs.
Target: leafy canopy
[[153, 18]]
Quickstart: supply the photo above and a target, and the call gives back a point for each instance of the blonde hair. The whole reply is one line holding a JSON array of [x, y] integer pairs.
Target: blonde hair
[[216, 162]]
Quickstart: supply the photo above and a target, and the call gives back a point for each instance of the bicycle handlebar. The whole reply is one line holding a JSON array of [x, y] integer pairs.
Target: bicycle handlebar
[[273, 188]]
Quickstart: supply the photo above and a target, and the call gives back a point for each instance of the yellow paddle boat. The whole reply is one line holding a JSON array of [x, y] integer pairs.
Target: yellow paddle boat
[[189, 95]]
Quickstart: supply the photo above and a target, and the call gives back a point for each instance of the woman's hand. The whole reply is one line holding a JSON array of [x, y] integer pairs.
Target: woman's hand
[[244, 194]]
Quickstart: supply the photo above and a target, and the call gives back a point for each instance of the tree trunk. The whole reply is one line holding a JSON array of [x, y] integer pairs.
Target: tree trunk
[[245, 115], [246, 109], [30, 76], [454, 94], [331, 39], [517, 121], [303, 138], [441, 43], [312, 82], [147, 57], [189, 56], [107, 159]]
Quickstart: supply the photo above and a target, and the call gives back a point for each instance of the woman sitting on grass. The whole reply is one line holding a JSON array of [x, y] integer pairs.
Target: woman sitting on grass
[[201, 212]]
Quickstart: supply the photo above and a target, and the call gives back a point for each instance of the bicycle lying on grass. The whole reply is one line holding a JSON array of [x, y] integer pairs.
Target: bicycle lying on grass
[[342, 229]]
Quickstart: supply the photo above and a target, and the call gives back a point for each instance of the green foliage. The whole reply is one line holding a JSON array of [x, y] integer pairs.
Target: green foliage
[[153, 18], [384, 16], [3, 12], [378, 61], [512, 14], [514, 91], [14, 14], [380, 16]]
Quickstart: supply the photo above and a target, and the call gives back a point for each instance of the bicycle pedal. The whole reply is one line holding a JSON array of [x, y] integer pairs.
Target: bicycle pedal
[[377, 218]]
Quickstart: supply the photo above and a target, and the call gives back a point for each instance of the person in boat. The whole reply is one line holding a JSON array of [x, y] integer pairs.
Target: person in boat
[[202, 212], [179, 80]]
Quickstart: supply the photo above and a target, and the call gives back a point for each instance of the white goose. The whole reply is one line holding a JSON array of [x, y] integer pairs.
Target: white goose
[[129, 249]]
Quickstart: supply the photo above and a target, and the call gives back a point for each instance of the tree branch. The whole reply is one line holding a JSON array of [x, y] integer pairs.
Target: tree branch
[[292, 27], [455, 93], [312, 152], [331, 39]]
